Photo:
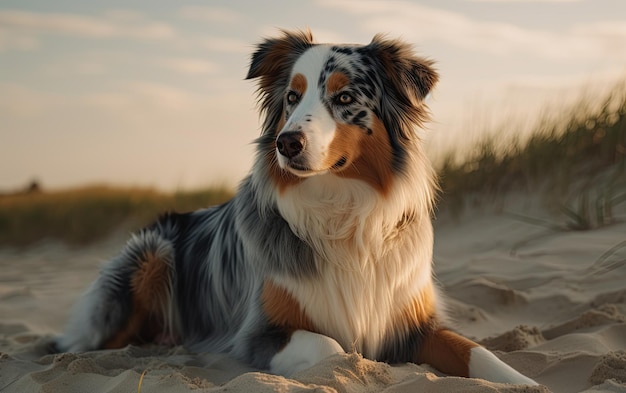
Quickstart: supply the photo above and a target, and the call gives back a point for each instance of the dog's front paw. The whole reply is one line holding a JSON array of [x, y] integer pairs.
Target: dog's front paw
[[304, 350]]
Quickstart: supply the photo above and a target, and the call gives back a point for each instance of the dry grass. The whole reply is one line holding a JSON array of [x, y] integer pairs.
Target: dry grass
[[84, 215], [575, 157]]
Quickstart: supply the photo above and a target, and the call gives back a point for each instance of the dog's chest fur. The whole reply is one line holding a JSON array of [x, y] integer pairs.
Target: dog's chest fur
[[368, 256]]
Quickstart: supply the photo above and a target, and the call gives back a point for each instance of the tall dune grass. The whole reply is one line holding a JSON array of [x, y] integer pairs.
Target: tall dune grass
[[571, 153], [80, 216]]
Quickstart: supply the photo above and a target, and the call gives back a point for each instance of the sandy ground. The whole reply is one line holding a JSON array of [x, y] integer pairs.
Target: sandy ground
[[552, 303]]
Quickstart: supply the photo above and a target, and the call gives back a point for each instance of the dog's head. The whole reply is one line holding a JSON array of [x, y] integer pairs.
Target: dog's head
[[343, 109]]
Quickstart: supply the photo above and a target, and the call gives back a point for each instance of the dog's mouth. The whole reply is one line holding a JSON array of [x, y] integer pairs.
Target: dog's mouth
[[300, 164], [303, 170], [299, 167]]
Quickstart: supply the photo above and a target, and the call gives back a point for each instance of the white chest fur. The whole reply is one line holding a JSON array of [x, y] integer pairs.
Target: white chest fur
[[373, 254]]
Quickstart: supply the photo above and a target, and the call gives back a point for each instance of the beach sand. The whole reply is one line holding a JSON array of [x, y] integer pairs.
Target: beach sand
[[551, 303]]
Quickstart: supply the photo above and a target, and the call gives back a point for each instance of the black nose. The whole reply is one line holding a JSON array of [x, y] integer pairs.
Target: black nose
[[291, 143]]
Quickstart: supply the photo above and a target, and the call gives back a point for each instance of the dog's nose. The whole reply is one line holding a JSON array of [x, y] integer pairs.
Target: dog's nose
[[291, 143]]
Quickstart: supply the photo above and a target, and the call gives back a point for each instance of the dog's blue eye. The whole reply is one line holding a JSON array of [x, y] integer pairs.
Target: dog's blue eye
[[293, 97], [344, 99]]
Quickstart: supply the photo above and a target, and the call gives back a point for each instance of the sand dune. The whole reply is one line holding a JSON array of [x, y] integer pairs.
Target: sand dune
[[552, 303]]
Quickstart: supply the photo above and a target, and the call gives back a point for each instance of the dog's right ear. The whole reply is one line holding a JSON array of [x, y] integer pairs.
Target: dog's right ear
[[276, 56]]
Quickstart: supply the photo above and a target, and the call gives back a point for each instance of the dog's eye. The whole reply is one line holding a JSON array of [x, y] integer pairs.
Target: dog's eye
[[344, 99], [293, 97]]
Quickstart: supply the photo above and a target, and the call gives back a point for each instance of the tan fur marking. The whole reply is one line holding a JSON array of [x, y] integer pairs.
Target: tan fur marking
[[283, 310], [151, 283], [346, 144], [420, 311], [298, 83], [447, 352], [336, 81], [368, 157], [150, 286]]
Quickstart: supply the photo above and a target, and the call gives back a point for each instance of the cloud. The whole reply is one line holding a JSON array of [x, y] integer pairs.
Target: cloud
[[125, 134], [189, 65], [163, 95], [20, 101], [121, 65], [211, 14], [15, 40], [23, 30], [608, 33], [90, 68], [222, 44], [108, 26], [421, 23]]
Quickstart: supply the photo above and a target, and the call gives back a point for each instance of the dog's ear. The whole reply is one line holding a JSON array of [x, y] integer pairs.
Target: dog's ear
[[409, 74], [272, 63], [274, 56], [407, 80]]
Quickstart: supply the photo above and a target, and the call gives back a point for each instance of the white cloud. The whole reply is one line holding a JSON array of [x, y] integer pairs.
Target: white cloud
[[420, 23], [211, 14], [611, 34], [21, 101], [124, 99], [109, 26], [15, 40], [23, 30], [90, 68], [222, 44], [138, 132], [189, 65], [165, 96], [123, 64]]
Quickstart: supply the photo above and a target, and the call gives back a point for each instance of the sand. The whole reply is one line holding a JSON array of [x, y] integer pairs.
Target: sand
[[552, 303]]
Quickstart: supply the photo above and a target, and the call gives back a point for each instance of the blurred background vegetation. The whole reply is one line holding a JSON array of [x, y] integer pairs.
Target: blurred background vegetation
[[575, 157], [83, 215]]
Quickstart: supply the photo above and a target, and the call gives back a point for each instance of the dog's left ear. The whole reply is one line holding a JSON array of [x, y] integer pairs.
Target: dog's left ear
[[407, 80], [408, 73]]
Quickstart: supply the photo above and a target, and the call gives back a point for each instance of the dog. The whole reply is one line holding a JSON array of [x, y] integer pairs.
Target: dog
[[326, 246]]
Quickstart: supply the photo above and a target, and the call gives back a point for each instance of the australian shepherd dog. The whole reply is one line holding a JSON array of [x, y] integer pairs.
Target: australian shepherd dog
[[326, 246]]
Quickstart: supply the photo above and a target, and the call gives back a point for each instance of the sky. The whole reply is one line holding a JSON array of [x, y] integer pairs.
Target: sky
[[152, 93]]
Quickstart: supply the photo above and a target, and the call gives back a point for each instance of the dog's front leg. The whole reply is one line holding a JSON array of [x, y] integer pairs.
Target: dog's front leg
[[457, 355]]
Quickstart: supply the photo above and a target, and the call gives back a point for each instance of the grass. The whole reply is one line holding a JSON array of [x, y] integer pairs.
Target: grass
[[141, 381], [80, 216], [576, 158]]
